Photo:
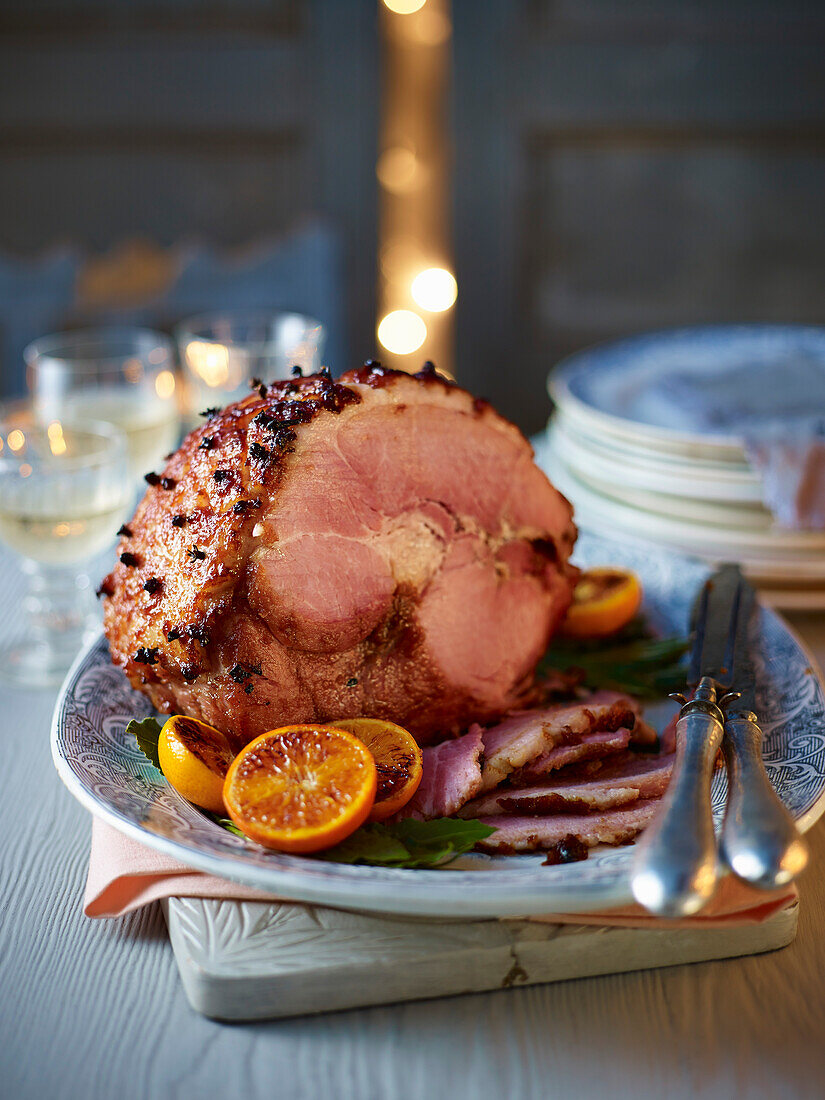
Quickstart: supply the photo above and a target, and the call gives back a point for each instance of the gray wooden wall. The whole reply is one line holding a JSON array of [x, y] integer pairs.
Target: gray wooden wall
[[618, 164], [628, 165], [226, 121]]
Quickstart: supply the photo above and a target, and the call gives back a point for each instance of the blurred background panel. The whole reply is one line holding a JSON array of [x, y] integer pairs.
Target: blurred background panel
[[626, 166], [614, 165], [164, 157]]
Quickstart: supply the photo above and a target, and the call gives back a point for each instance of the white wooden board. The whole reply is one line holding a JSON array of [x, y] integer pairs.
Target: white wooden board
[[263, 960]]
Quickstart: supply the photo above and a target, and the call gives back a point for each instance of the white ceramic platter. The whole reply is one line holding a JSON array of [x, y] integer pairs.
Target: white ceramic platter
[[615, 483], [631, 468], [106, 771], [785, 554], [616, 390]]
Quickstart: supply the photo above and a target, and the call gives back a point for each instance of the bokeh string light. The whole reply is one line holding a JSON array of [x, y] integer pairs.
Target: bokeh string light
[[417, 289], [434, 289], [404, 7], [402, 332]]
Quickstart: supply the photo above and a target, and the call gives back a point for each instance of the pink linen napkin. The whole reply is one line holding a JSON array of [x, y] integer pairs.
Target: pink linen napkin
[[125, 875]]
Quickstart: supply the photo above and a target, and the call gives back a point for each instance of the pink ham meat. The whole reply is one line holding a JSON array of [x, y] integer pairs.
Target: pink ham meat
[[593, 746], [615, 786], [380, 545], [451, 776], [524, 737], [529, 834]]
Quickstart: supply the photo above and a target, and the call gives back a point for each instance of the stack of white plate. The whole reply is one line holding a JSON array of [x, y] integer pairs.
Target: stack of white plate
[[620, 455]]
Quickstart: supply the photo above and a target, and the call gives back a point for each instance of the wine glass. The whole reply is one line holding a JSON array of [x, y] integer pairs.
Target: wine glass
[[62, 497], [222, 353], [123, 376]]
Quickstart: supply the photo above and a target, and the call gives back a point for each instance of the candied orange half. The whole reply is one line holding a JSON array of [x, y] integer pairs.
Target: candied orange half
[[605, 599], [301, 788], [195, 757], [398, 761]]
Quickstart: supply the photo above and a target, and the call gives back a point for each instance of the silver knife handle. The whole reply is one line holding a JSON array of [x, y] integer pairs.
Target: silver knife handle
[[759, 840], [675, 865]]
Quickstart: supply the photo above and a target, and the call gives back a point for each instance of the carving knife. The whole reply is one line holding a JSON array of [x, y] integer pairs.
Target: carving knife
[[675, 866], [759, 840]]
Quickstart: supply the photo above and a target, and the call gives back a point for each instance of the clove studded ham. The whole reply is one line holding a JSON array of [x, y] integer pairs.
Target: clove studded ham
[[379, 545]]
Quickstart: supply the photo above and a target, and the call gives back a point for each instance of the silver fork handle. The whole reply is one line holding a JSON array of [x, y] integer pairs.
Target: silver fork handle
[[675, 865], [759, 840]]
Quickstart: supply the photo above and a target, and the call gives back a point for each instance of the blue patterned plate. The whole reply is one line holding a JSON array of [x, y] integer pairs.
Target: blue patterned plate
[[106, 771]]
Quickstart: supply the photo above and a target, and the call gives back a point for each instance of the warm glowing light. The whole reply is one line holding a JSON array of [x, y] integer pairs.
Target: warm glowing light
[[165, 384], [399, 256], [61, 530], [16, 439], [405, 7], [399, 170], [156, 355], [57, 444], [432, 28], [209, 361], [25, 470], [434, 289], [402, 332]]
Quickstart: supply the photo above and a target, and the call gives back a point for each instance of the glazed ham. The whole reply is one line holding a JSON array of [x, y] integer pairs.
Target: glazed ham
[[529, 834], [451, 776], [592, 747], [613, 786], [524, 738], [382, 545]]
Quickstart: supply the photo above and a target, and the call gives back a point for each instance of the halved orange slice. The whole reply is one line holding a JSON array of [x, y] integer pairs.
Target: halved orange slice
[[195, 757], [301, 788], [398, 761], [604, 600]]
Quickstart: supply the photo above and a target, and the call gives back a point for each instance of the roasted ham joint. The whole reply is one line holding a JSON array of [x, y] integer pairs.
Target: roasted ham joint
[[381, 545]]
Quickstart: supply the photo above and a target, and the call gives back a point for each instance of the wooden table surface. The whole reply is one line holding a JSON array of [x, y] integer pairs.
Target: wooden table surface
[[94, 1009]]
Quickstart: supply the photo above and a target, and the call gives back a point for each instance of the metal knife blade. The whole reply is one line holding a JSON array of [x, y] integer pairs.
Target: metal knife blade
[[744, 679], [720, 623]]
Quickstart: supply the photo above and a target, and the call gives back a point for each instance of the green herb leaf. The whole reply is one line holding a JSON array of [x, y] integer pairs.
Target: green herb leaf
[[410, 843], [369, 844], [633, 661], [226, 823], [147, 733]]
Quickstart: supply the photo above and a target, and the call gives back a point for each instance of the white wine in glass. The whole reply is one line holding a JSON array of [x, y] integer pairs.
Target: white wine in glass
[[63, 495], [124, 376]]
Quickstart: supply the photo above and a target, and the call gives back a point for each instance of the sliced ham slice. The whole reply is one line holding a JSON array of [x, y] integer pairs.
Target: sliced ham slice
[[452, 776], [668, 738], [643, 733], [615, 786], [524, 737], [593, 746], [529, 834]]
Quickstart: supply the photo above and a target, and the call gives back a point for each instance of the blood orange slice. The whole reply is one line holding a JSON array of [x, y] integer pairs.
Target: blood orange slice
[[301, 788], [398, 761]]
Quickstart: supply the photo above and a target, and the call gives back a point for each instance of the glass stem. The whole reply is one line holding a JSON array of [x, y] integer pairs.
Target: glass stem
[[59, 609]]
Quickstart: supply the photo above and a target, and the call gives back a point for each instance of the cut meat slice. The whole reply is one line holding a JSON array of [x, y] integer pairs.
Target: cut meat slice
[[593, 746], [522, 738], [529, 834], [451, 777], [643, 733], [615, 786]]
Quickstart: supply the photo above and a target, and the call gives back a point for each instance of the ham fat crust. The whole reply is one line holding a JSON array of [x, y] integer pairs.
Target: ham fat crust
[[383, 545]]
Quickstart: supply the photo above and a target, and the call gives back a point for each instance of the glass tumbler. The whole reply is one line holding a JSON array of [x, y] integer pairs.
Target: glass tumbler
[[221, 353], [62, 497], [124, 376]]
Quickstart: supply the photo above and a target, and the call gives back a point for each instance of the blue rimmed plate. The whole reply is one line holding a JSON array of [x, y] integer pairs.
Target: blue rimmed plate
[[109, 775]]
